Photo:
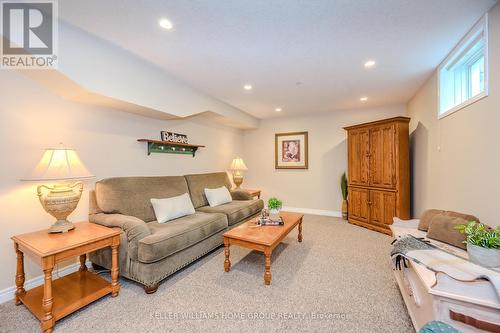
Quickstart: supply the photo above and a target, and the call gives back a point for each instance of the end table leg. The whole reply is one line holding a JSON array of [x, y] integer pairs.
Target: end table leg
[[48, 321], [227, 262], [83, 259], [300, 231], [267, 273], [115, 285], [19, 275]]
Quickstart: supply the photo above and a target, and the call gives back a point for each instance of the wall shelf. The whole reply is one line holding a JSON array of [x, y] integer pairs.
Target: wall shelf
[[158, 146]]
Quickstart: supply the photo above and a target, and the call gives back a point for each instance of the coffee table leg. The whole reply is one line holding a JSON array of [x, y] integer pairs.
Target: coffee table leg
[[267, 273], [19, 275], [300, 231], [227, 262]]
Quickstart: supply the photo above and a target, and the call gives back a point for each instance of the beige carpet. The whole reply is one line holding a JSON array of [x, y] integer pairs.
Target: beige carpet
[[338, 279]]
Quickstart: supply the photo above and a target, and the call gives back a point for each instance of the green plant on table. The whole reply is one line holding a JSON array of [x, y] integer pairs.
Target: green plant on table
[[274, 204], [480, 235], [343, 186]]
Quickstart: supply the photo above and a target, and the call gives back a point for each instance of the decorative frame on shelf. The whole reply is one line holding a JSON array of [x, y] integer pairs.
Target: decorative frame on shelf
[[158, 146]]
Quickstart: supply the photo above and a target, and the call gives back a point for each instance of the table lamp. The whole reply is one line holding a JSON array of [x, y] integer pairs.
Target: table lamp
[[60, 200], [237, 166]]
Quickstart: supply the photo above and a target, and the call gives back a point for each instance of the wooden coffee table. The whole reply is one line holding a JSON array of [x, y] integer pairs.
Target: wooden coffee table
[[263, 239]]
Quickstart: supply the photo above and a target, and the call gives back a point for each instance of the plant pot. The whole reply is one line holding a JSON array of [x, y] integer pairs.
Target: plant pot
[[344, 210], [485, 257], [274, 214]]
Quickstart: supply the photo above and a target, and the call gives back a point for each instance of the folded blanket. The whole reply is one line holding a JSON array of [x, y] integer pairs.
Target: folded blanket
[[437, 260]]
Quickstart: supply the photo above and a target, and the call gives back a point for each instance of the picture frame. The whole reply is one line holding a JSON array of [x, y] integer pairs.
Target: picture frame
[[291, 150]]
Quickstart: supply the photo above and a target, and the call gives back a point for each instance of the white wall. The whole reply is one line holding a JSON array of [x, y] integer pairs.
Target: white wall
[[33, 118], [318, 187], [463, 174]]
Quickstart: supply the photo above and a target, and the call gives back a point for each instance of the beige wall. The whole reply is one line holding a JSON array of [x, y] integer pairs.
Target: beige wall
[[32, 118], [317, 187], [456, 160]]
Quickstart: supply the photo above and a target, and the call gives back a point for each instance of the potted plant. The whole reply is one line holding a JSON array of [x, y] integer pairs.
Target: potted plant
[[343, 188], [274, 205], [483, 243]]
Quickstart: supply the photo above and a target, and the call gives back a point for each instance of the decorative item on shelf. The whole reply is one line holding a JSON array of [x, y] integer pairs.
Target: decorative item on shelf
[[158, 146], [174, 137], [483, 243], [60, 200], [274, 205], [343, 188], [291, 150], [237, 165]]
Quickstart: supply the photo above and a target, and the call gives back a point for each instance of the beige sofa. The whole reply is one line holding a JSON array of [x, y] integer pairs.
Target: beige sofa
[[151, 251]]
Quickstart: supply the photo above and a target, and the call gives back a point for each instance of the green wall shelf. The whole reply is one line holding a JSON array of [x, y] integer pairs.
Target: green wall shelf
[[158, 146]]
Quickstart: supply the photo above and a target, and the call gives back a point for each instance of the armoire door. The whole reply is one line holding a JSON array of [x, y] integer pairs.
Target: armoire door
[[358, 150], [358, 204], [382, 207], [382, 157]]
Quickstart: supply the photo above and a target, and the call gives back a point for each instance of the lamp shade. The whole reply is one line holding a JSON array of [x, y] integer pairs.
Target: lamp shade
[[238, 165], [59, 164]]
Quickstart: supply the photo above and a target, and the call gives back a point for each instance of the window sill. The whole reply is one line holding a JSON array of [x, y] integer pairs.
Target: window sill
[[464, 104]]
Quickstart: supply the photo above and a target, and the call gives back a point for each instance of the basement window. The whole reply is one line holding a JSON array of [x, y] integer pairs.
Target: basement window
[[463, 75]]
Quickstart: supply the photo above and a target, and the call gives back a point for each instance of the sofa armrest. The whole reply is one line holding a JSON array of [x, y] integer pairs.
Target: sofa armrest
[[134, 228], [241, 195]]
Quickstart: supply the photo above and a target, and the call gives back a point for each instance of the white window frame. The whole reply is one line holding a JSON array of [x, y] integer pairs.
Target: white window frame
[[481, 25]]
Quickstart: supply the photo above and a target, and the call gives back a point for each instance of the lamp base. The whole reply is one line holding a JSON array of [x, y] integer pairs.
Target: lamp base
[[60, 201], [61, 226], [238, 180]]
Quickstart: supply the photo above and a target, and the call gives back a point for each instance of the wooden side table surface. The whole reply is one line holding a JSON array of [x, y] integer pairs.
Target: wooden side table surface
[[253, 193], [56, 299]]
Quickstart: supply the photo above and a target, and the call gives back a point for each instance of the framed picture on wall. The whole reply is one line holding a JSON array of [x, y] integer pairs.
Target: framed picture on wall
[[291, 150]]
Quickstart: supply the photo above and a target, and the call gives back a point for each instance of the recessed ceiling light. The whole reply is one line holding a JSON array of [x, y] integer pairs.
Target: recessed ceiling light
[[247, 87], [363, 99], [277, 109], [165, 24], [370, 63]]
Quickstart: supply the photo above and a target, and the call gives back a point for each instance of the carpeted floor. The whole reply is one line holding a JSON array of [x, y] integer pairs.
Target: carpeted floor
[[338, 279]]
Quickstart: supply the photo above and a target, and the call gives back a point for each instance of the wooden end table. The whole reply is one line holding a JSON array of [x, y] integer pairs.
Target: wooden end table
[[263, 239], [253, 193], [56, 299]]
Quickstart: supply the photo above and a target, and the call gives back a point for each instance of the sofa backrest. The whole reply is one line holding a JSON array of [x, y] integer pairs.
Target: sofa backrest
[[132, 195], [199, 182]]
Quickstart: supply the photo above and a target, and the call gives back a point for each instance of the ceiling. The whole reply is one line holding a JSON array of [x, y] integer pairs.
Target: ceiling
[[303, 56]]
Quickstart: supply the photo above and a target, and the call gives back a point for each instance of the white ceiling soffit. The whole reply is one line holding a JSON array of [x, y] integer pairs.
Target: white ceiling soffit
[[302, 56], [93, 71]]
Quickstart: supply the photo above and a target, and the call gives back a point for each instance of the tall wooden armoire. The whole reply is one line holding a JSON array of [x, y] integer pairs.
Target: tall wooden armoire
[[379, 173]]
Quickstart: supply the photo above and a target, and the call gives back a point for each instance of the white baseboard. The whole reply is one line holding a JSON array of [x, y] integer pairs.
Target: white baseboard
[[312, 211], [7, 294]]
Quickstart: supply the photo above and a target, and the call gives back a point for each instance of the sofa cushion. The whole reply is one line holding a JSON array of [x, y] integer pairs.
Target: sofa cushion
[[237, 210], [198, 183], [218, 196], [442, 228], [176, 235], [426, 218], [132, 195], [429, 214], [167, 209]]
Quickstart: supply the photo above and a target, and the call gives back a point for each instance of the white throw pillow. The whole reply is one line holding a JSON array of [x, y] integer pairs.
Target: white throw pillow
[[218, 196], [171, 208]]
